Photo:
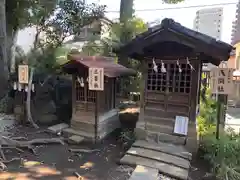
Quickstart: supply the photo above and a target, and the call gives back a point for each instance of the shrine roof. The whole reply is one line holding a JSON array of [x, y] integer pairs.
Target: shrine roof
[[111, 68], [172, 38]]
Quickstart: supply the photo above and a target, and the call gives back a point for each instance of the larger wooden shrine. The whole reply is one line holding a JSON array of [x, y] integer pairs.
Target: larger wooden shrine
[[94, 112], [172, 57]]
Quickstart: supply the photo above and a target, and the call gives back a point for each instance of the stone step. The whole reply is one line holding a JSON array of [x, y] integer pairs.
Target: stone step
[[166, 169], [76, 139], [144, 173], [163, 137], [168, 148], [160, 156], [58, 127]]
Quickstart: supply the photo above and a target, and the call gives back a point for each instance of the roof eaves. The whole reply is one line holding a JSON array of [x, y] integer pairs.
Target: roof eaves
[[171, 24], [200, 36]]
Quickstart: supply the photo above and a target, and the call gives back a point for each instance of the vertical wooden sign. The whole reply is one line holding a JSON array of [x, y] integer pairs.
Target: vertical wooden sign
[[221, 80], [23, 74], [96, 79]]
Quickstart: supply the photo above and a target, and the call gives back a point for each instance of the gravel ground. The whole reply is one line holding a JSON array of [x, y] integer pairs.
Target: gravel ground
[[55, 162]]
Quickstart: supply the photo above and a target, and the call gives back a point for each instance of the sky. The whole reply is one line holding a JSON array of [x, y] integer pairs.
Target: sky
[[185, 16]]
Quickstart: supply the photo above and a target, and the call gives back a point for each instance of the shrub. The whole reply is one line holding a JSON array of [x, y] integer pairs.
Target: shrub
[[223, 155]]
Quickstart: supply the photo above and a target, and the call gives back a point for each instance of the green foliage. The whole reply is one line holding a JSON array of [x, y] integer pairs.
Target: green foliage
[[132, 27], [62, 51], [208, 114], [67, 18], [24, 13], [223, 155], [208, 108]]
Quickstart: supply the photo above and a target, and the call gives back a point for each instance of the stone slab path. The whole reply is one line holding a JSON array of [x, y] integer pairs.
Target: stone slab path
[[144, 173], [76, 139], [168, 159], [168, 148], [58, 127]]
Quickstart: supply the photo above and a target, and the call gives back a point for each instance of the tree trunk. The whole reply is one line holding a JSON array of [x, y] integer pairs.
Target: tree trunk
[[11, 48], [28, 103], [126, 13], [3, 53]]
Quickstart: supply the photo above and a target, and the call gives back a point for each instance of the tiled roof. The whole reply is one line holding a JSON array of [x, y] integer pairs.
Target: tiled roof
[[211, 45], [111, 68]]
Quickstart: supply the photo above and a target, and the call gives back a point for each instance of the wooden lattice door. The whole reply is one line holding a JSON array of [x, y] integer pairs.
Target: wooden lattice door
[[169, 91], [85, 98]]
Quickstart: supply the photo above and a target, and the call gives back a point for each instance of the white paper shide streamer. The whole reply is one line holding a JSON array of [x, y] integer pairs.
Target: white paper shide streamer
[[26, 88], [155, 67], [15, 86], [163, 69], [179, 67], [188, 63], [80, 81], [19, 87]]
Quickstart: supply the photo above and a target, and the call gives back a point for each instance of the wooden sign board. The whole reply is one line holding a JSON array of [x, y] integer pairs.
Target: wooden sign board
[[23, 74], [221, 80], [181, 125], [96, 79]]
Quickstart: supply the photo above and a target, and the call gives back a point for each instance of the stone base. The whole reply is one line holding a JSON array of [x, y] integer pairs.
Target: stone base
[[140, 133], [168, 138], [107, 123], [190, 142], [140, 130]]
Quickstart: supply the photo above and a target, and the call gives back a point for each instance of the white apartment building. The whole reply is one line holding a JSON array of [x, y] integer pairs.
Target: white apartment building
[[209, 22]]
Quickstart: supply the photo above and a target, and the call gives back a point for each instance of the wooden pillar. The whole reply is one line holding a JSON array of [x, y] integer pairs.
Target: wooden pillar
[[74, 94], [96, 115], [140, 129], [85, 96], [114, 93]]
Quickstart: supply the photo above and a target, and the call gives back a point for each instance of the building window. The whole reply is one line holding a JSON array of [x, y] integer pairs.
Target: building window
[[171, 81]]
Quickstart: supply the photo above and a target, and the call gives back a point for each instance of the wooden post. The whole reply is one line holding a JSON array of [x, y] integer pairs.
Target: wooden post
[[218, 116], [85, 96], [96, 116], [74, 99]]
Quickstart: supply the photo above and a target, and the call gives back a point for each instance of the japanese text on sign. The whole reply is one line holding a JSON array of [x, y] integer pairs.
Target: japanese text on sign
[[221, 80], [23, 74], [96, 79]]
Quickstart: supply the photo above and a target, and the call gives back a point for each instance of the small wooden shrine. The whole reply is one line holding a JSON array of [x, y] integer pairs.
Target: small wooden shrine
[[94, 112], [171, 56]]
